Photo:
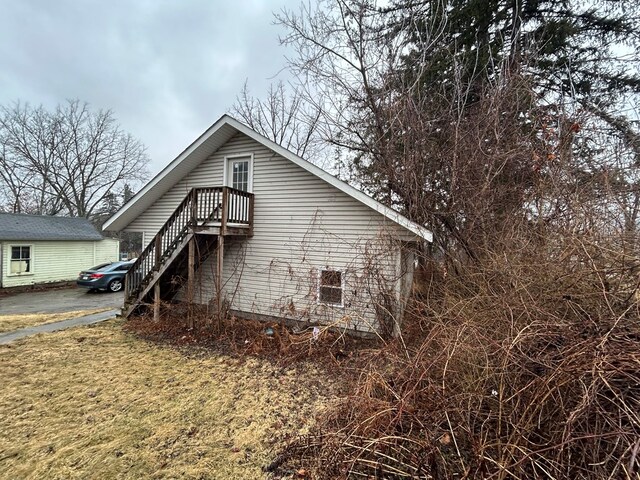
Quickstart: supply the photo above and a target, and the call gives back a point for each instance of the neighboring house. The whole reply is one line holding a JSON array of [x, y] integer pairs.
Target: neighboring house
[[238, 222], [38, 249]]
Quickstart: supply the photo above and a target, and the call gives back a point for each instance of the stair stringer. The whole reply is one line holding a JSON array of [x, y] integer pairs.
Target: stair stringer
[[127, 309]]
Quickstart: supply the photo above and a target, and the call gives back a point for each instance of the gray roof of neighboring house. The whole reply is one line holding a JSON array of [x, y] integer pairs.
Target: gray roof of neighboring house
[[18, 226]]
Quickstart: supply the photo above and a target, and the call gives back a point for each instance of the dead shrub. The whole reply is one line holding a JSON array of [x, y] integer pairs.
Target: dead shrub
[[237, 336], [524, 364]]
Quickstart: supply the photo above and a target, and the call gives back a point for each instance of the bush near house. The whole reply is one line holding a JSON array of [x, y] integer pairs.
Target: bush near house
[[521, 365]]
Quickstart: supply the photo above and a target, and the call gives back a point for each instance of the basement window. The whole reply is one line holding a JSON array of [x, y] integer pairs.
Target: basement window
[[330, 287], [20, 261]]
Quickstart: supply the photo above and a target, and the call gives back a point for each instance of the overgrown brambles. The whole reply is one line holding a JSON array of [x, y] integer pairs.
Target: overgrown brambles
[[520, 359], [523, 365], [251, 337]]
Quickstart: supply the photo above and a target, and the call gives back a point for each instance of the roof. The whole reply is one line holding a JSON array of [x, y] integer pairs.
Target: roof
[[23, 227], [208, 143]]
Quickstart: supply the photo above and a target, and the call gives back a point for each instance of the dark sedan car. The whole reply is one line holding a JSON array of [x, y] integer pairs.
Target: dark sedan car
[[107, 276]]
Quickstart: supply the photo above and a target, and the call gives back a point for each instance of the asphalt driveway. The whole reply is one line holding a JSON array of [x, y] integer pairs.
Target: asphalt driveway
[[59, 300]]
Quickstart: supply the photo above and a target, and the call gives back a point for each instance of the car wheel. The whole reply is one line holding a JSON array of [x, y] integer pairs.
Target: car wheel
[[115, 285]]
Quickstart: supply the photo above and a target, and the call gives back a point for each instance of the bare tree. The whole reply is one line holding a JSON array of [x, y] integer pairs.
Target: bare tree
[[404, 144], [451, 137], [340, 62], [65, 161], [287, 119], [540, 190]]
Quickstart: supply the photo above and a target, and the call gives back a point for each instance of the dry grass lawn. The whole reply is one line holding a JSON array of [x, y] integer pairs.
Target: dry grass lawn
[[100, 403], [9, 323]]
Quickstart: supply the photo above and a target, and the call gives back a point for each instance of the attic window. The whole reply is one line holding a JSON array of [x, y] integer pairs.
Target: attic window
[[240, 175], [239, 172], [20, 261], [330, 287]]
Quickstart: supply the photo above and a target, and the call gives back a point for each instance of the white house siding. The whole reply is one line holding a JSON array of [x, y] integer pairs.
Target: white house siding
[[301, 224], [56, 261]]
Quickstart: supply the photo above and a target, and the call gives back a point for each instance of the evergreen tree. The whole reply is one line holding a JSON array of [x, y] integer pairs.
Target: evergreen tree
[[584, 50]]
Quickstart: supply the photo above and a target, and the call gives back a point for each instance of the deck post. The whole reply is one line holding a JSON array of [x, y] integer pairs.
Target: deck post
[[225, 211], [191, 280], [252, 199], [158, 251], [156, 302], [126, 287], [156, 288], [219, 270], [194, 209]]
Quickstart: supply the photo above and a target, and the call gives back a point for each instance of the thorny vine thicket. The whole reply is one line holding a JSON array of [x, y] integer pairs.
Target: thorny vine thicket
[[519, 358], [522, 366]]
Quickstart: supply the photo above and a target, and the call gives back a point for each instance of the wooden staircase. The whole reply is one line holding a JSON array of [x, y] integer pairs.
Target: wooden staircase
[[209, 211]]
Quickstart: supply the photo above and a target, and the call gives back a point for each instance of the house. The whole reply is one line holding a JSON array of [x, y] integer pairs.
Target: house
[[37, 249], [243, 225]]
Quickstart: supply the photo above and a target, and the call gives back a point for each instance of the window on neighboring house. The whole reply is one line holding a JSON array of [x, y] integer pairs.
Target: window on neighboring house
[[20, 259], [330, 287]]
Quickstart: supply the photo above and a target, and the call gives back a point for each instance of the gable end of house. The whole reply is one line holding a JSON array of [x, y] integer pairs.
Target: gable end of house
[[210, 142]]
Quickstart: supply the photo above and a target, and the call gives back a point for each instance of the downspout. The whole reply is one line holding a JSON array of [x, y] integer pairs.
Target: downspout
[[1, 263]]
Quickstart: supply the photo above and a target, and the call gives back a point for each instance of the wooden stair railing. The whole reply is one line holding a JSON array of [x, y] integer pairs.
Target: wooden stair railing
[[201, 208]]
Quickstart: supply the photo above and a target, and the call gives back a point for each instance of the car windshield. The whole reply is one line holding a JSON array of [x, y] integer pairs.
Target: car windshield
[[102, 267]]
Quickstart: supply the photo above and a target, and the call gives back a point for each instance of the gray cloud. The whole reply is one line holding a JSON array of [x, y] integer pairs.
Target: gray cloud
[[167, 68]]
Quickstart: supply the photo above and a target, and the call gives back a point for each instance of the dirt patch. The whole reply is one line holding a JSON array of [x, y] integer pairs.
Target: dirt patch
[[99, 402], [8, 323]]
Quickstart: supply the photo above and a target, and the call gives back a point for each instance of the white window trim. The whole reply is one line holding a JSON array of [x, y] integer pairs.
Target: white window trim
[[225, 172], [31, 263], [342, 286]]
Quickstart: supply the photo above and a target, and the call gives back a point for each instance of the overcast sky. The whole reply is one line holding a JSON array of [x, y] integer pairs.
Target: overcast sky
[[167, 68]]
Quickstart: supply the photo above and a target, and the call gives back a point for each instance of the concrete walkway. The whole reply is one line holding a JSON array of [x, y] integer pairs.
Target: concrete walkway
[[55, 326]]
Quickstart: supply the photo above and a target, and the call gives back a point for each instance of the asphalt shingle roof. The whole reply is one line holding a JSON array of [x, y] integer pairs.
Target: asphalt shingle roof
[[17, 226]]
